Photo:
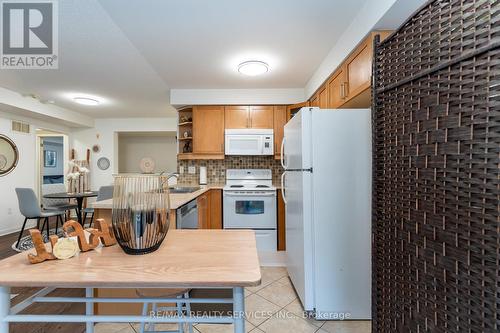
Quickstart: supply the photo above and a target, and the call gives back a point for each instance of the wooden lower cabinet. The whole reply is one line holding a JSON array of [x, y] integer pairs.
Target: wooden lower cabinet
[[210, 210], [281, 222], [215, 221]]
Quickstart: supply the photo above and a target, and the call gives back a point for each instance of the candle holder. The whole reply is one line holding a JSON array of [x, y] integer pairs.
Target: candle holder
[[141, 212]]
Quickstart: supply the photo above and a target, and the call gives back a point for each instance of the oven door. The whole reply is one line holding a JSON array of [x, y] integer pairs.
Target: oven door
[[250, 210], [243, 144]]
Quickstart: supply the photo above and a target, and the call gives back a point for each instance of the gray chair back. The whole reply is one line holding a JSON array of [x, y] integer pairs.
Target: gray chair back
[[51, 189], [28, 203], [105, 193]]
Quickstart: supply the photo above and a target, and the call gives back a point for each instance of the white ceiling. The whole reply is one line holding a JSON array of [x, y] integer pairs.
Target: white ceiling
[[131, 53]]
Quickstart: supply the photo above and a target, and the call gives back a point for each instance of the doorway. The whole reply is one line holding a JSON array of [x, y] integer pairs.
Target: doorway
[[52, 158]]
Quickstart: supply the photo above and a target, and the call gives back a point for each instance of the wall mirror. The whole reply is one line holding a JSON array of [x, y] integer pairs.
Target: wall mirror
[[9, 155]]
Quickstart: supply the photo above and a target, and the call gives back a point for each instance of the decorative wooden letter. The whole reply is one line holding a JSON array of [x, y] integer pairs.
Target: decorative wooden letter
[[104, 232], [41, 250], [80, 233]]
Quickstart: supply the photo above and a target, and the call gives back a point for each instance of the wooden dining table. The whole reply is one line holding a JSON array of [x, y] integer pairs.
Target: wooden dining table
[[199, 259], [78, 196]]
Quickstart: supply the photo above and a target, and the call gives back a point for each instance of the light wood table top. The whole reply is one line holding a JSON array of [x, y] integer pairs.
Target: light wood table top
[[187, 258]]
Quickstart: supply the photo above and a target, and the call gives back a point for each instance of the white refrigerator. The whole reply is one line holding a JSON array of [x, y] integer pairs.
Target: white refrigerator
[[326, 186]]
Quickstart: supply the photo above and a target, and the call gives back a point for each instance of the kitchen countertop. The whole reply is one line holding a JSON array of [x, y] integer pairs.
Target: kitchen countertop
[[176, 199]]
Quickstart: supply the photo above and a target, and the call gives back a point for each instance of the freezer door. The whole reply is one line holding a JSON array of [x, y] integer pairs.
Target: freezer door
[[297, 140], [299, 246]]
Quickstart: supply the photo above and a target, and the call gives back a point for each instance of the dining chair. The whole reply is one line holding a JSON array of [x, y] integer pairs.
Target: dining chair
[[56, 204], [181, 308], [30, 209], [104, 193]]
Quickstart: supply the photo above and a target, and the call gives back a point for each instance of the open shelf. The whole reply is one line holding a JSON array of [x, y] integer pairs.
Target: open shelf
[[185, 125]]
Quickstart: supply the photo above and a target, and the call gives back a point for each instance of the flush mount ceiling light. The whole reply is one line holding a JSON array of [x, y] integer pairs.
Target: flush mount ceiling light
[[86, 101], [253, 68]]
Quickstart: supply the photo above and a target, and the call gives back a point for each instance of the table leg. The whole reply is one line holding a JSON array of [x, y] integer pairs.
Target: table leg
[[89, 309], [79, 202], [4, 308], [239, 310]]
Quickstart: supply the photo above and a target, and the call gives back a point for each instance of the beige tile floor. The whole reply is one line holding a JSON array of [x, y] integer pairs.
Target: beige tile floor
[[276, 309]]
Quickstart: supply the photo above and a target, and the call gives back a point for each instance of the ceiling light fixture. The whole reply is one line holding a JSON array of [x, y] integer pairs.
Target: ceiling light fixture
[[253, 68], [86, 101]]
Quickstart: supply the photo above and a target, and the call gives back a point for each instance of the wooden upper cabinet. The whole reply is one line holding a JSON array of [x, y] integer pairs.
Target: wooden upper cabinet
[[336, 89], [291, 110], [208, 130], [237, 116], [358, 68], [279, 121], [323, 97], [314, 101], [241, 116], [261, 116]]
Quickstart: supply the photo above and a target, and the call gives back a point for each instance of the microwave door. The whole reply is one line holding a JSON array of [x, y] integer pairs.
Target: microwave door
[[243, 145]]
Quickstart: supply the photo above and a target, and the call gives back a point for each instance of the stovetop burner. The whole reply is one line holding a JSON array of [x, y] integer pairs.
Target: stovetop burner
[[249, 180]]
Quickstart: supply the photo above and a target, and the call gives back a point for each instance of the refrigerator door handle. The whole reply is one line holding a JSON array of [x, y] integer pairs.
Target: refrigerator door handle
[[283, 187], [282, 157]]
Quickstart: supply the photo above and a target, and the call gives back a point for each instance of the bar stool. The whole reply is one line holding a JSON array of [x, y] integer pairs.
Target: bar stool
[[181, 294]]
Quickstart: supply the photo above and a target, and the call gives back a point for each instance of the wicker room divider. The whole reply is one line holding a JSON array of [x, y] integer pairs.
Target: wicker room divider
[[436, 130]]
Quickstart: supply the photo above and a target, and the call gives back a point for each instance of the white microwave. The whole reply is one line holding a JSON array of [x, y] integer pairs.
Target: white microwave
[[249, 141]]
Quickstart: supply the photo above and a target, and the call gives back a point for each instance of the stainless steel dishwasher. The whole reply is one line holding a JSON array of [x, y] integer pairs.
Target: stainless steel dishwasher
[[187, 216]]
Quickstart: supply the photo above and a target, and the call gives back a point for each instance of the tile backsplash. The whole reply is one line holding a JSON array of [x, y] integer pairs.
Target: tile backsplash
[[216, 169]]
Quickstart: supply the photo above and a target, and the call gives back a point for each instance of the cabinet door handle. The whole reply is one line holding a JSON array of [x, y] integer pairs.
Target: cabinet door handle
[[346, 89], [341, 90]]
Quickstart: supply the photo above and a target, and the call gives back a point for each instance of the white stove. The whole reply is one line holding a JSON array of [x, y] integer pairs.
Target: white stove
[[250, 203], [249, 180]]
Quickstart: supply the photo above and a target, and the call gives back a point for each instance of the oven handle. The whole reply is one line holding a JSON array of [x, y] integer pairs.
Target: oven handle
[[283, 187], [229, 194]]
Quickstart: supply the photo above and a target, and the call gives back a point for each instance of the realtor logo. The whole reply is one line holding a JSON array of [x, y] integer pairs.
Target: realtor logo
[[29, 34]]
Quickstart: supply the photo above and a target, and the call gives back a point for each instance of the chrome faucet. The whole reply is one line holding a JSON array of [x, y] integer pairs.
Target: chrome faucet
[[169, 175]]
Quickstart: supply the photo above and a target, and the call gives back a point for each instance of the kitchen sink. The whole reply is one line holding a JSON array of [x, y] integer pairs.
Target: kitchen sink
[[176, 189]]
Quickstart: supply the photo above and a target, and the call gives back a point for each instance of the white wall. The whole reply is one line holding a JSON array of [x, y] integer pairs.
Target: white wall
[[24, 175], [105, 134], [181, 97], [161, 147]]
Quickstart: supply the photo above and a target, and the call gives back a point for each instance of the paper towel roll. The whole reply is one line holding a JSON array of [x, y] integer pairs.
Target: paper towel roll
[[203, 175]]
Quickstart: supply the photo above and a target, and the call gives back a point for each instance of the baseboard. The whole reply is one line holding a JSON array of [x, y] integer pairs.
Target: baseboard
[[29, 224]]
